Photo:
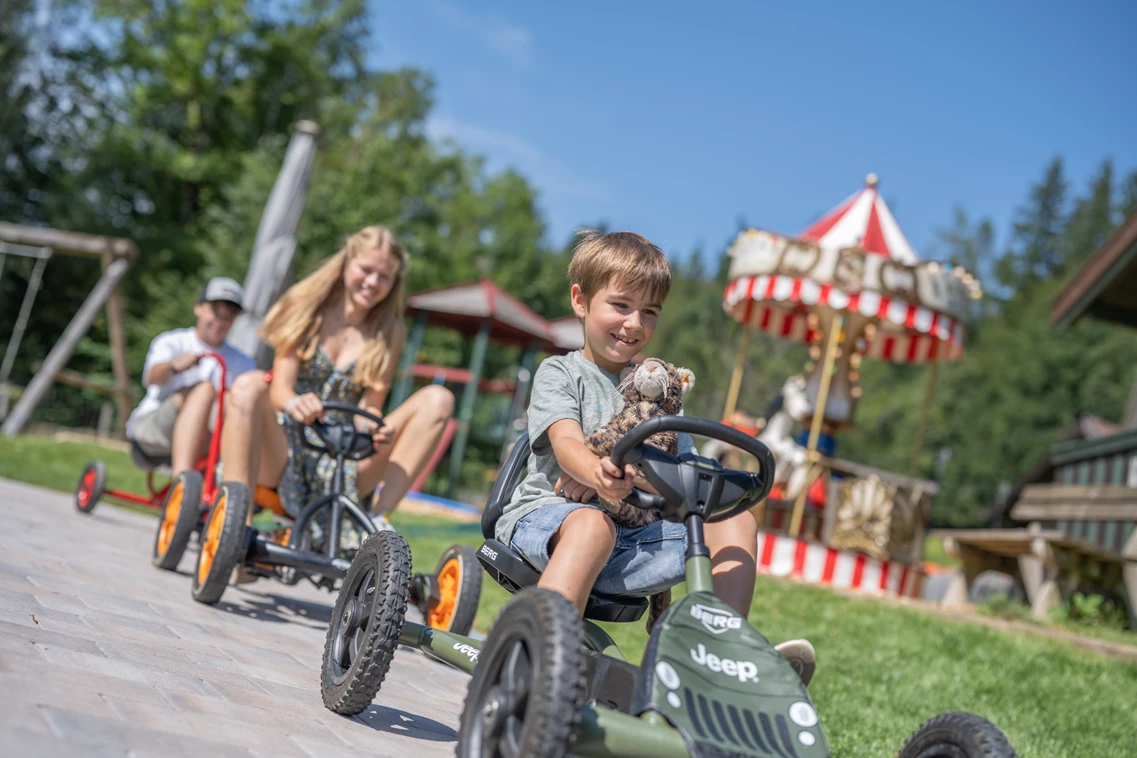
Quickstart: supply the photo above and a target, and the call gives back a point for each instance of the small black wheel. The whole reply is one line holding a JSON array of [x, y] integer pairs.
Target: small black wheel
[[526, 693], [366, 624], [90, 488], [957, 735], [181, 513], [221, 543], [459, 582]]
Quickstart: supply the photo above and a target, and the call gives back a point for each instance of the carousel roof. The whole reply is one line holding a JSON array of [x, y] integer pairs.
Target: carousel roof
[[855, 261], [863, 220]]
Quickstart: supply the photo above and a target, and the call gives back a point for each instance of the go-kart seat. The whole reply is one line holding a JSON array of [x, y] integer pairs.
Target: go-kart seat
[[146, 461], [513, 572]]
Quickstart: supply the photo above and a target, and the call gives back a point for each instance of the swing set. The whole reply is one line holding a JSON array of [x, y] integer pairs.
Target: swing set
[[40, 245]]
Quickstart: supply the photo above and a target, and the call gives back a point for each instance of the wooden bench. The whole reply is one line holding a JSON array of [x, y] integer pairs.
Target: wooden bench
[[1046, 561]]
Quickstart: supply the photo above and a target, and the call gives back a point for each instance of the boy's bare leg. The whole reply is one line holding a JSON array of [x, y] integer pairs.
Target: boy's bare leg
[[578, 551], [734, 553], [191, 430]]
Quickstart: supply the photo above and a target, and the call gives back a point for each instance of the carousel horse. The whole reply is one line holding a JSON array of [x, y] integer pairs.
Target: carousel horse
[[777, 434]]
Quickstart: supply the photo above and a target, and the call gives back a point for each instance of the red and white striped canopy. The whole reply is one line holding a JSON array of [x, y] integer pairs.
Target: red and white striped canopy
[[850, 261], [863, 221]]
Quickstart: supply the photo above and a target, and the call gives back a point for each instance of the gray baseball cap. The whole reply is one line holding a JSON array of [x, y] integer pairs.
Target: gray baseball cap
[[224, 289]]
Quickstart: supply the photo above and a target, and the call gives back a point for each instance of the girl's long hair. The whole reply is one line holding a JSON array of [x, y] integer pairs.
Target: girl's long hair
[[293, 323]]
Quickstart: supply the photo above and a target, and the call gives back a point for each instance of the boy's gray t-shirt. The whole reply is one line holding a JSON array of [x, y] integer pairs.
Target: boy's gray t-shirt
[[564, 387]]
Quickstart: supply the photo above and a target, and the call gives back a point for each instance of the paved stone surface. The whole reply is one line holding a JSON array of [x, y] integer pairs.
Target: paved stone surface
[[102, 654]]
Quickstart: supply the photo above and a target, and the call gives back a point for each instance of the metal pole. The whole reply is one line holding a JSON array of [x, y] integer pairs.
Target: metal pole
[[520, 393], [466, 411], [919, 442], [18, 331], [739, 365], [407, 361], [59, 354], [818, 415], [118, 352]]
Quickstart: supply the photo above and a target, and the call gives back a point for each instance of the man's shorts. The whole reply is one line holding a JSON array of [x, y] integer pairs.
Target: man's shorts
[[645, 560], [154, 432]]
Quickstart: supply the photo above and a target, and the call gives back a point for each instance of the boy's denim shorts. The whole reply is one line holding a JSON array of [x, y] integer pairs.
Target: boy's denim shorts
[[646, 560]]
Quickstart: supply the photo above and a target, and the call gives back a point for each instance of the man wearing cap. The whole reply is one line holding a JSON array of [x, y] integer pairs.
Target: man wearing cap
[[177, 413]]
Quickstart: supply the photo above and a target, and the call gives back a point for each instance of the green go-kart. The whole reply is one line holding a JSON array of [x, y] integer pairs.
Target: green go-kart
[[546, 683]]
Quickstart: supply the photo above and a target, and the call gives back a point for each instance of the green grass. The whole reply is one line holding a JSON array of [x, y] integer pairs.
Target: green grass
[[882, 669], [934, 552]]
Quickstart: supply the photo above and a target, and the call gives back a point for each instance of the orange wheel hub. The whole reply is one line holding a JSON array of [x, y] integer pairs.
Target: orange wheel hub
[[212, 540], [170, 518], [441, 614]]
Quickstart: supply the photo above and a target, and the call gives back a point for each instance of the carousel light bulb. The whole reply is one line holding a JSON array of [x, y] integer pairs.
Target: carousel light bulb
[[815, 353], [809, 367], [812, 321], [855, 360], [854, 376], [870, 331], [856, 392]]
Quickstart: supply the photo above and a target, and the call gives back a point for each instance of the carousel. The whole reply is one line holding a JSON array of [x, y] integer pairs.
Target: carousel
[[853, 289]]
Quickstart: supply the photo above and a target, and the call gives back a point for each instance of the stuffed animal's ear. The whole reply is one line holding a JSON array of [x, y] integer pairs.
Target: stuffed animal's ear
[[686, 379]]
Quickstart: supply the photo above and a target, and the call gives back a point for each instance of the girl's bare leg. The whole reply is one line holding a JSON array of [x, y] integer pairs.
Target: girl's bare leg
[[734, 554], [253, 446], [420, 422]]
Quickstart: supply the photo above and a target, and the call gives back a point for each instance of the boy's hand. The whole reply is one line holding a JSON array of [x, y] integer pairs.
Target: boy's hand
[[610, 482], [573, 490]]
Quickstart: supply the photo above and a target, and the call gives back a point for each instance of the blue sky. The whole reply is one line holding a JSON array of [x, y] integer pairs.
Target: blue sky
[[678, 119]]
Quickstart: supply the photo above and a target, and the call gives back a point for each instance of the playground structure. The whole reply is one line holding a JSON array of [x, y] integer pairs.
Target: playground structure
[[852, 288], [116, 255], [483, 312]]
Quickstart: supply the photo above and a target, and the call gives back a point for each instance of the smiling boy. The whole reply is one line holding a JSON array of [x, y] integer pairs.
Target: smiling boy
[[620, 282]]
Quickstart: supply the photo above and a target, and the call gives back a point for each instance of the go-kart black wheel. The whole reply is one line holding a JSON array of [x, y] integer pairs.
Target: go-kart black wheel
[[366, 623], [526, 693], [957, 735], [459, 582], [90, 488], [221, 542], [181, 513]]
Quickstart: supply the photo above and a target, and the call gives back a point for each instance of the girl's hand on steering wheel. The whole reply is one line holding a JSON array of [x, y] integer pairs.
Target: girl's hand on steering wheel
[[305, 408], [384, 435]]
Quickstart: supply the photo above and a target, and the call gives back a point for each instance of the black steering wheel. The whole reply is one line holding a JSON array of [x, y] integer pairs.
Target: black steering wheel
[[342, 438], [691, 484]]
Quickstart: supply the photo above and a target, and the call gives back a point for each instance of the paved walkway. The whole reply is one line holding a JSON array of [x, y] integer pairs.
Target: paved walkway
[[102, 654]]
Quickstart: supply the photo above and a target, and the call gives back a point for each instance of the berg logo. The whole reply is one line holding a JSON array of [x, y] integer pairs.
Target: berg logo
[[489, 552], [716, 621]]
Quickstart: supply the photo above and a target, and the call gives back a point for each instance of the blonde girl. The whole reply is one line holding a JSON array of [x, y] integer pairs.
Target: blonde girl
[[337, 335]]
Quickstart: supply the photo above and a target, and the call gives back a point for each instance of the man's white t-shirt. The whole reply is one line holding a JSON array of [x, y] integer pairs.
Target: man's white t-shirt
[[166, 346]]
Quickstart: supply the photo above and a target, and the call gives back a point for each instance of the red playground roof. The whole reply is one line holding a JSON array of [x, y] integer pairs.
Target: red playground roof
[[463, 307]]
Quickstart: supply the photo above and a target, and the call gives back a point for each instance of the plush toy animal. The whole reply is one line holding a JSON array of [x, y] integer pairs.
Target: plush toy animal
[[654, 388]]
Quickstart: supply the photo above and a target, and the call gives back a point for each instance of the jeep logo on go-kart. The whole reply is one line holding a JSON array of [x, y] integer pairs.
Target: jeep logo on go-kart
[[746, 671], [716, 621], [468, 651]]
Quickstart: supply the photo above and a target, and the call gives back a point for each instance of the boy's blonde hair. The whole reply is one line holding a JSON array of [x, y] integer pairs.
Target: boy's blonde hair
[[293, 323], [627, 258]]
